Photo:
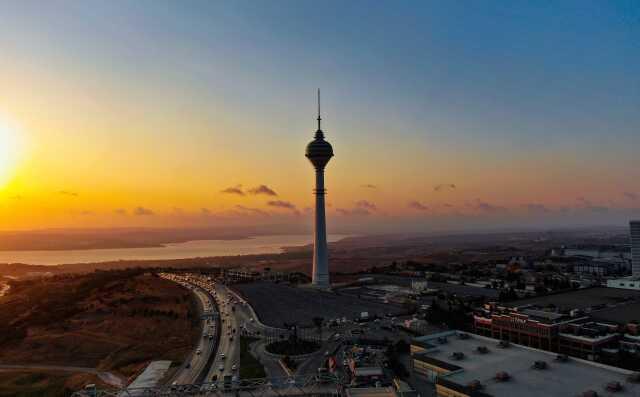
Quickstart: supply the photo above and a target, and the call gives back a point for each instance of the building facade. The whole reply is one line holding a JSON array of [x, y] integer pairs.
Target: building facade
[[635, 248]]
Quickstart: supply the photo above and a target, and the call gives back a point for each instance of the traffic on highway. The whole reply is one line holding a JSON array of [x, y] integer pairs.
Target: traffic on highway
[[216, 358]]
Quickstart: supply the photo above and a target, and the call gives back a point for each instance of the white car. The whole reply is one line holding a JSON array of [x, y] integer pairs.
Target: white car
[[233, 367], [222, 356]]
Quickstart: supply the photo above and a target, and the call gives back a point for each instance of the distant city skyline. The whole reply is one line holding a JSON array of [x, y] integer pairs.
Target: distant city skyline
[[448, 115]]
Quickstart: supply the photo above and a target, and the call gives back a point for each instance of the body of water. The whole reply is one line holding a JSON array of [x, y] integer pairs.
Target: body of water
[[190, 249]]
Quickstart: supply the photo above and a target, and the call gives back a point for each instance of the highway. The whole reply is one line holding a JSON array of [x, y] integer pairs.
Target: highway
[[228, 354], [196, 363]]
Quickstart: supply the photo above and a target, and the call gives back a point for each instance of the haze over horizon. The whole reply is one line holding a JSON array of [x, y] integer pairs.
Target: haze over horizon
[[442, 115]]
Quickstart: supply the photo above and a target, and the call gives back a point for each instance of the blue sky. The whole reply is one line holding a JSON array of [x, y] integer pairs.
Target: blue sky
[[515, 102]]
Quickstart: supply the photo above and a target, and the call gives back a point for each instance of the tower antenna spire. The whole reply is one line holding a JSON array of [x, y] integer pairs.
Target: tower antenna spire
[[319, 118]]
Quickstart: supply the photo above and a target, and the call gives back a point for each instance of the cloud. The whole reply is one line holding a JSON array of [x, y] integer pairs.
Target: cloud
[[205, 211], [483, 206], [589, 206], [444, 187], [68, 193], [87, 212], [251, 210], [234, 190], [536, 208], [360, 208], [358, 211], [120, 211], [263, 189], [447, 205], [416, 205], [141, 211], [366, 205], [281, 204], [631, 195], [16, 197], [369, 186]]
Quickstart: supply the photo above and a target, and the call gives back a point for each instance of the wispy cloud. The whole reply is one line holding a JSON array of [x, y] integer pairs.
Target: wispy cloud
[[281, 204], [233, 190], [536, 208], [366, 204], [142, 211], [357, 211], [360, 208], [416, 205], [589, 206], [68, 193], [444, 187], [256, 211], [263, 189], [631, 195], [485, 207], [120, 211], [369, 186], [205, 211]]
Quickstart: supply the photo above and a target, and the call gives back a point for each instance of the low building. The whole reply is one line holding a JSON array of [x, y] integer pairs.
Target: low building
[[462, 364], [632, 283], [371, 392], [528, 325]]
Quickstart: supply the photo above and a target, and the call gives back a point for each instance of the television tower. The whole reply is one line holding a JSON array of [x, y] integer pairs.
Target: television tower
[[319, 152]]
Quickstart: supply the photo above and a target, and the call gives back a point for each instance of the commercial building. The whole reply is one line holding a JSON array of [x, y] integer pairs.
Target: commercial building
[[634, 227], [462, 365], [632, 282]]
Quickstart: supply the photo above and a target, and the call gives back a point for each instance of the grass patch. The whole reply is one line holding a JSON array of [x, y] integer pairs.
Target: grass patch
[[250, 367]]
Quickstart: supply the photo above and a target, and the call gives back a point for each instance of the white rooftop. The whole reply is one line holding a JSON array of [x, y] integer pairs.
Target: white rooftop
[[569, 378]]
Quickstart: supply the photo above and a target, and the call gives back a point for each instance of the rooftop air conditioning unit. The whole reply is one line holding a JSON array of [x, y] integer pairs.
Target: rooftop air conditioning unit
[[457, 355], [503, 344], [614, 386], [502, 376], [589, 393], [475, 385], [442, 340], [634, 377], [482, 350], [563, 358], [463, 335], [540, 365]]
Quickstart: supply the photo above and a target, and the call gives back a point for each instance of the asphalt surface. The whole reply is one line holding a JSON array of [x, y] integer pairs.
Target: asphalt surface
[[196, 363], [229, 344], [276, 304]]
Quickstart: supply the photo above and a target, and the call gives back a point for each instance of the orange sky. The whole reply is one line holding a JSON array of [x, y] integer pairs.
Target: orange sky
[[112, 122]]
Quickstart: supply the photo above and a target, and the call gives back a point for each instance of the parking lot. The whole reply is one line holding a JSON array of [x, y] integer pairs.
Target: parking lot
[[276, 304]]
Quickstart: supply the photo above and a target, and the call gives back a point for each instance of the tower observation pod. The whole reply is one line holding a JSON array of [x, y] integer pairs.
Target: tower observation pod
[[319, 152]]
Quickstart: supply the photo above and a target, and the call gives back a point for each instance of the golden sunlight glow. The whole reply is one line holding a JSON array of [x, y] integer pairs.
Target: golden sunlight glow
[[9, 151]]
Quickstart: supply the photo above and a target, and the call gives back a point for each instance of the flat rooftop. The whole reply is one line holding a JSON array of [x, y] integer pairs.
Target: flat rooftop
[[569, 378], [584, 299], [277, 303], [620, 314]]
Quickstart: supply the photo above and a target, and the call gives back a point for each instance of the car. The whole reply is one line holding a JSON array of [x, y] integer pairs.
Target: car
[[222, 356], [233, 367], [199, 351]]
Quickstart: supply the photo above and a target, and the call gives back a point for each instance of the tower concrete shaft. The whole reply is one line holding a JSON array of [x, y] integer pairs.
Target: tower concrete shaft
[[320, 251]]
